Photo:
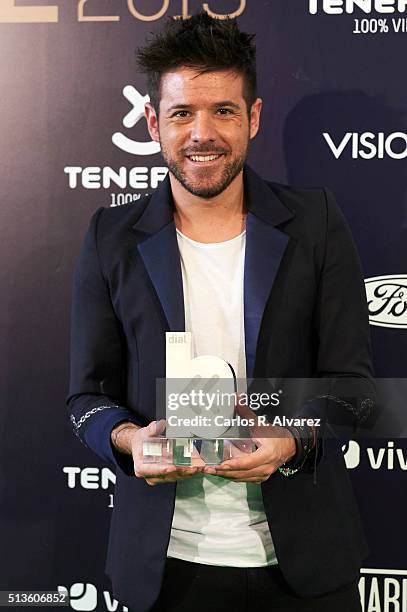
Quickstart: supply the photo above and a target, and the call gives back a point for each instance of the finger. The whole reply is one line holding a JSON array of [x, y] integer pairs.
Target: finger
[[145, 470], [245, 412], [261, 472], [255, 480], [209, 469], [252, 460], [154, 480], [160, 426], [178, 472], [155, 469], [239, 448], [155, 428], [243, 409], [189, 471]]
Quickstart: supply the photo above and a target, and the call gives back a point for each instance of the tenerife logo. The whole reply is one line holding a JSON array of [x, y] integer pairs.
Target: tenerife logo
[[369, 145], [387, 301], [137, 177], [337, 7], [123, 142], [366, 25], [90, 478]]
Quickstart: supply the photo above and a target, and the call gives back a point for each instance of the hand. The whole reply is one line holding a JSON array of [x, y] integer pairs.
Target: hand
[[155, 473], [276, 445]]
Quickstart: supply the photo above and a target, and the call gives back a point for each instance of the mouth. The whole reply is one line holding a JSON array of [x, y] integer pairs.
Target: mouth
[[208, 158]]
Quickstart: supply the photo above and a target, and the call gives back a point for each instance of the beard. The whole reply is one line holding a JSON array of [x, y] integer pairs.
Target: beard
[[206, 187]]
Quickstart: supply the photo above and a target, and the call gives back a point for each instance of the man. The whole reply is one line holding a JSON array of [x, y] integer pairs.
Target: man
[[266, 277]]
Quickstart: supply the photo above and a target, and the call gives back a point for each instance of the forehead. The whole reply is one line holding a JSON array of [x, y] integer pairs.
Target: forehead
[[190, 86]]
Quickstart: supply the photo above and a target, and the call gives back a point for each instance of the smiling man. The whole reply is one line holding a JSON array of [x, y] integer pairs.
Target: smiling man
[[204, 136], [266, 277]]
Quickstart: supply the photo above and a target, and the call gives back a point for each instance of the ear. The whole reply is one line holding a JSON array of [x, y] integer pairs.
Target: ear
[[255, 112], [152, 121]]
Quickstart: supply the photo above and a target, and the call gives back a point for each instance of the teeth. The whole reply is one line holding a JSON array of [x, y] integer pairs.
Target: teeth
[[203, 158]]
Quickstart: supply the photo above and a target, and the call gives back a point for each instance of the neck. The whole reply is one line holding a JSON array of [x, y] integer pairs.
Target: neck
[[210, 220]]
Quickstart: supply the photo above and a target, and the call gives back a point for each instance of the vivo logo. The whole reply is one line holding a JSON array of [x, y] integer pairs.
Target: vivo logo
[[369, 145], [387, 300], [337, 7], [390, 457], [85, 597]]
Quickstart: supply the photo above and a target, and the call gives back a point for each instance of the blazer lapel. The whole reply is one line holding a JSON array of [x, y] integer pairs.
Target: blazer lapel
[[160, 255], [265, 247]]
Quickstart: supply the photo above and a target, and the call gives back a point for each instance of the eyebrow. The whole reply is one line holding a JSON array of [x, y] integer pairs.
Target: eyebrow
[[217, 104]]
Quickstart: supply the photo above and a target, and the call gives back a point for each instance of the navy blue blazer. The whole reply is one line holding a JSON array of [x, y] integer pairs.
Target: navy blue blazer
[[305, 315]]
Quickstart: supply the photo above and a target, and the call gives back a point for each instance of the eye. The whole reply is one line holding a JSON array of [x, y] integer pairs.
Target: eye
[[181, 113], [224, 111]]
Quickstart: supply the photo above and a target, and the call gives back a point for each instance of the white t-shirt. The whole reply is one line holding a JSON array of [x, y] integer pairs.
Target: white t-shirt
[[216, 521]]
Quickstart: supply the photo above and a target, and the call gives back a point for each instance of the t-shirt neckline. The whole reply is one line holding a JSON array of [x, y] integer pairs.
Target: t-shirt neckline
[[211, 244]]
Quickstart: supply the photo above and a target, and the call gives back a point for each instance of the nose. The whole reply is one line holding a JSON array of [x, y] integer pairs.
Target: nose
[[203, 128]]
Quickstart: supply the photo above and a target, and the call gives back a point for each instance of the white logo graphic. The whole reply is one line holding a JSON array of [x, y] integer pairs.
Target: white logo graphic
[[387, 300], [85, 597], [127, 144], [139, 177], [351, 454], [337, 7], [383, 589], [369, 145], [82, 596], [388, 457], [366, 25], [89, 477]]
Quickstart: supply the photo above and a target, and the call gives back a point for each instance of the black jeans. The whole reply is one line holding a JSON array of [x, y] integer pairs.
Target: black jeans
[[192, 587]]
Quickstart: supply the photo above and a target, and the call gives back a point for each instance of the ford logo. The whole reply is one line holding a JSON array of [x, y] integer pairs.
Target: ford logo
[[387, 300]]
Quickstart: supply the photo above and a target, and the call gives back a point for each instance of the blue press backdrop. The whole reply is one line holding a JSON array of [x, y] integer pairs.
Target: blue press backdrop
[[68, 80]]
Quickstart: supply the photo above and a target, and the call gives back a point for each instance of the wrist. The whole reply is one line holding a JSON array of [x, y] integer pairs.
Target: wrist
[[294, 446], [121, 436], [305, 439]]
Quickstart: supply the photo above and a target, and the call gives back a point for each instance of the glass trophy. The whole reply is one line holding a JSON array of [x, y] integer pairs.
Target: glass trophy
[[197, 400], [194, 451]]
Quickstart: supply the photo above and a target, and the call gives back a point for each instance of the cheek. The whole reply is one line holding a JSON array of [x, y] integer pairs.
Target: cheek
[[242, 139], [172, 140], [239, 133]]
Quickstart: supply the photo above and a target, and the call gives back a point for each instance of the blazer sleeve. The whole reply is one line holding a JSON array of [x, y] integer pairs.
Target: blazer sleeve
[[346, 393], [97, 372]]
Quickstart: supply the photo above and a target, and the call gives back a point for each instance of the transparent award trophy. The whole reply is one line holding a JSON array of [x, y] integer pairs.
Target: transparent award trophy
[[200, 400], [190, 451]]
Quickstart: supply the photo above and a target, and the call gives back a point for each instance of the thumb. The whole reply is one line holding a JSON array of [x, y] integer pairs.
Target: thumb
[[243, 410], [155, 428]]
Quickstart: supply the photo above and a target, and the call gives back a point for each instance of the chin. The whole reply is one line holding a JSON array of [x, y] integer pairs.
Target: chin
[[205, 191]]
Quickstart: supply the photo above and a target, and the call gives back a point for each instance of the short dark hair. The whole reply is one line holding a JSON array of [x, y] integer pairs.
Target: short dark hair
[[203, 43]]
